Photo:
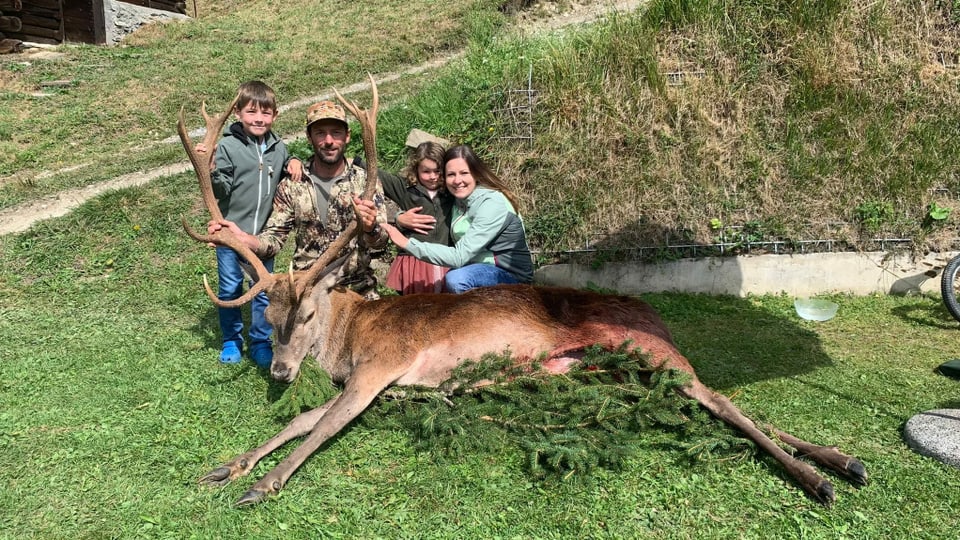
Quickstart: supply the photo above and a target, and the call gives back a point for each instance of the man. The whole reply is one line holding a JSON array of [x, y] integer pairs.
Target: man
[[321, 205]]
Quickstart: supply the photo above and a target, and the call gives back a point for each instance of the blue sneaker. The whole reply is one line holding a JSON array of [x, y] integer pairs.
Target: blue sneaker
[[230, 353], [262, 354]]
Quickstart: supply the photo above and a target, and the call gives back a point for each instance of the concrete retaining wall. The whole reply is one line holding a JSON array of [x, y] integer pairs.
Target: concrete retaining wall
[[795, 275]]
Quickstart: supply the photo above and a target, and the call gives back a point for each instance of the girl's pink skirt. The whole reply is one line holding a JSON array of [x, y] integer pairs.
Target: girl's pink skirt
[[409, 275]]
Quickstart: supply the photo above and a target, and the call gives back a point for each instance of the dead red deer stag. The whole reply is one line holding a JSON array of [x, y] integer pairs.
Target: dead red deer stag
[[368, 346]]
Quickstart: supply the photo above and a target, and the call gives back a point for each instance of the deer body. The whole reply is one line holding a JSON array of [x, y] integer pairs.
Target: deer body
[[420, 339], [428, 335]]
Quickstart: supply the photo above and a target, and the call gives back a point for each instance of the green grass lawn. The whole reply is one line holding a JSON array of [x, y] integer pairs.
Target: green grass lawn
[[113, 404]]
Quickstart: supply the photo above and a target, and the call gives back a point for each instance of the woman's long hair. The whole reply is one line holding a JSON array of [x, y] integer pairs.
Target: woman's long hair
[[425, 150], [481, 173]]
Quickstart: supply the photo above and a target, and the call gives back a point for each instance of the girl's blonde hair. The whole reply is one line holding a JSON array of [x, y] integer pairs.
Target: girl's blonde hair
[[425, 150], [481, 173]]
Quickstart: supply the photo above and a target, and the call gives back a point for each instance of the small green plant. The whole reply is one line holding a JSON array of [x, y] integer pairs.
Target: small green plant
[[310, 389], [873, 215], [737, 238], [936, 215], [553, 224], [951, 10], [300, 148]]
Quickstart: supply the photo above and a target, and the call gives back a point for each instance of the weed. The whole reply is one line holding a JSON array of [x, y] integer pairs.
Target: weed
[[874, 215], [936, 215]]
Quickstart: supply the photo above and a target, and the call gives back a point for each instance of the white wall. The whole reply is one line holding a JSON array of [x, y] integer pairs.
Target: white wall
[[796, 275]]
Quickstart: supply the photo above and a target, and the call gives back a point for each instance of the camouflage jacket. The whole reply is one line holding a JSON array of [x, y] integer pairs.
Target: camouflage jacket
[[295, 210]]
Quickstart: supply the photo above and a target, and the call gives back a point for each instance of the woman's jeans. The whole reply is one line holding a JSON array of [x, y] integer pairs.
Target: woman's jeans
[[230, 273], [463, 279]]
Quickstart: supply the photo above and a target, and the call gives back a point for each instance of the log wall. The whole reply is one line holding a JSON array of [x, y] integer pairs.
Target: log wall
[[56, 21]]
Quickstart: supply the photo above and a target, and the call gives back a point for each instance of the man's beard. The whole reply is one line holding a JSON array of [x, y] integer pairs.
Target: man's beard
[[337, 158]]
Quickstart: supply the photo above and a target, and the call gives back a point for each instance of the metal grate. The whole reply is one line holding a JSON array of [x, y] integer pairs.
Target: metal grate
[[516, 117]]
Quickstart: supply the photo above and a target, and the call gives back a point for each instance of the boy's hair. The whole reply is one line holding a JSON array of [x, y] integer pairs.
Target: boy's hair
[[481, 173], [258, 93], [425, 150]]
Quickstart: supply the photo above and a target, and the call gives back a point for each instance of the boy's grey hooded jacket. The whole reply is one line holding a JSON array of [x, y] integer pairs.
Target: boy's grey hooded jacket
[[245, 178]]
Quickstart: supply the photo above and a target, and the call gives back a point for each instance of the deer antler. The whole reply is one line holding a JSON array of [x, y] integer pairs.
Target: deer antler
[[223, 237], [368, 127], [368, 133]]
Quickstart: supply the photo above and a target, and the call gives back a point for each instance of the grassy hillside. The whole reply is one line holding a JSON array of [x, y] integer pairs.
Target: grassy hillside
[[695, 120], [686, 123], [121, 101]]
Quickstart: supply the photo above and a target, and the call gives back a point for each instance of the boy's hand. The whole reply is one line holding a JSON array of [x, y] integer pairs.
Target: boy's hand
[[295, 169]]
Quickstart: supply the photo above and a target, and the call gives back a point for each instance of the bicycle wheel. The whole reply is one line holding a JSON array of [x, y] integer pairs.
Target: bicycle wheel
[[950, 286]]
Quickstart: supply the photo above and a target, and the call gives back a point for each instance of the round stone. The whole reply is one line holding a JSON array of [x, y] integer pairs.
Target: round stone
[[935, 433]]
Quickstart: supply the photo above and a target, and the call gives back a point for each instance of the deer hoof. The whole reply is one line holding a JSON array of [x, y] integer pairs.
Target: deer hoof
[[251, 497], [824, 494], [217, 477], [856, 472]]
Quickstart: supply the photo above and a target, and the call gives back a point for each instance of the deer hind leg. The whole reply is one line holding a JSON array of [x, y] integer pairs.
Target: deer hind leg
[[244, 463], [830, 457], [720, 406]]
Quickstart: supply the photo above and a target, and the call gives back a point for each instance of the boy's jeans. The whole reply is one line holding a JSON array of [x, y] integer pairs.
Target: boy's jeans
[[230, 287], [463, 279]]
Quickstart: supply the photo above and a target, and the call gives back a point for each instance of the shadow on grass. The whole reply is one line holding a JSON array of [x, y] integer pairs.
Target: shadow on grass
[[926, 314], [730, 340]]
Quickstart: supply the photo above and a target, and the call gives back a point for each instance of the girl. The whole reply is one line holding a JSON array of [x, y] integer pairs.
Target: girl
[[425, 211]]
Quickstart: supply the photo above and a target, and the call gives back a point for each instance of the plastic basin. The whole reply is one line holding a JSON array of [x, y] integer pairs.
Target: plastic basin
[[813, 309]]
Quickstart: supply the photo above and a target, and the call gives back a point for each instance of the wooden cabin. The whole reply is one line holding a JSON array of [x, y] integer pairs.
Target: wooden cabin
[[56, 21]]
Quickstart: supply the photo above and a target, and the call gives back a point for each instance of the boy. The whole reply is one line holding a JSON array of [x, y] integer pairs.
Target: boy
[[250, 159]]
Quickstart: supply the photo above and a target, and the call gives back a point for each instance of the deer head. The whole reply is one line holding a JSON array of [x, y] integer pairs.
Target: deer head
[[296, 298]]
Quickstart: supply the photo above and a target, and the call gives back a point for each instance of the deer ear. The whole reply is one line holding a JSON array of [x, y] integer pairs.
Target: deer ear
[[330, 280], [334, 272]]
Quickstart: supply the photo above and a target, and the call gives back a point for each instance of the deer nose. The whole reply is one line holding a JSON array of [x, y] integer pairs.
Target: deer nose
[[280, 373]]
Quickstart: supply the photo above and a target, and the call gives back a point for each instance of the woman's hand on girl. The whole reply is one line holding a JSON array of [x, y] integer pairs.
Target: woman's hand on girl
[[413, 220]]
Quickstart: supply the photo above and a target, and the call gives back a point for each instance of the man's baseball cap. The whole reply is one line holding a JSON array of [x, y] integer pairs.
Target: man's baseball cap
[[325, 110]]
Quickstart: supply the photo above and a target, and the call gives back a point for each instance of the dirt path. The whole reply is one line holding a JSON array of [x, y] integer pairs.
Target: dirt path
[[22, 217]]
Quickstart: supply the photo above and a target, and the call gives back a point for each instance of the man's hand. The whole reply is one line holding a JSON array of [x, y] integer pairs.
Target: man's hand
[[367, 212], [214, 226], [413, 220], [202, 150]]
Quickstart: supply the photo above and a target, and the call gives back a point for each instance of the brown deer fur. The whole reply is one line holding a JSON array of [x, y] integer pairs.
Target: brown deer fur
[[419, 339]]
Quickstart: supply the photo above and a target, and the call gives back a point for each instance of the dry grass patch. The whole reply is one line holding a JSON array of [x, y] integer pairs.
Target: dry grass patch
[[779, 120]]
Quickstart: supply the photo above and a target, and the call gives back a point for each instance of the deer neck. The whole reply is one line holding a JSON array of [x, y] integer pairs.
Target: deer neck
[[337, 359]]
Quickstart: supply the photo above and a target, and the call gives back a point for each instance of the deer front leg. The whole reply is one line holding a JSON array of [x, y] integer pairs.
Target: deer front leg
[[358, 393], [244, 463]]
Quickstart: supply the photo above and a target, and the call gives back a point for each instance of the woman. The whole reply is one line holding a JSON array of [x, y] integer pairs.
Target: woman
[[490, 246]]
